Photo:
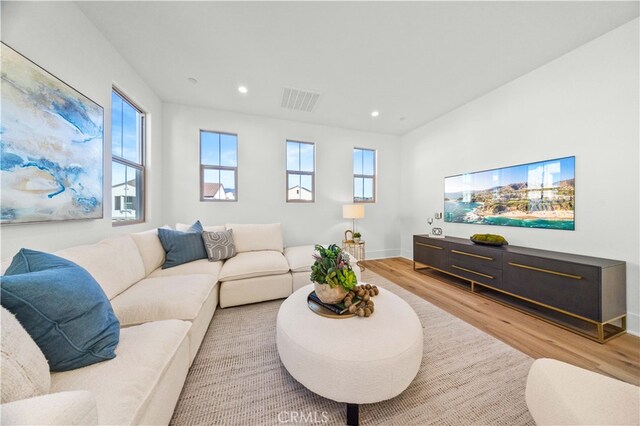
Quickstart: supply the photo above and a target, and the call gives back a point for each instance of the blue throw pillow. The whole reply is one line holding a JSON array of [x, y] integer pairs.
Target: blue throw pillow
[[62, 307], [182, 247]]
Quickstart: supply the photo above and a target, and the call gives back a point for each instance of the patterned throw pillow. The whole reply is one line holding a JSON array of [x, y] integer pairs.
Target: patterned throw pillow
[[219, 245]]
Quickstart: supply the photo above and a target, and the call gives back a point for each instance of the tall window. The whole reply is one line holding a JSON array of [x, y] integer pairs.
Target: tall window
[[364, 175], [218, 166], [300, 171], [127, 161]]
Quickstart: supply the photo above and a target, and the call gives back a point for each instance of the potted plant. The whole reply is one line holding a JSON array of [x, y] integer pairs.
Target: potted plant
[[331, 274], [356, 237]]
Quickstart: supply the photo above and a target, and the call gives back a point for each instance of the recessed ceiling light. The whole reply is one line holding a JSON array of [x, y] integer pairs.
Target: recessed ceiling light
[[375, 113], [242, 89], [192, 80]]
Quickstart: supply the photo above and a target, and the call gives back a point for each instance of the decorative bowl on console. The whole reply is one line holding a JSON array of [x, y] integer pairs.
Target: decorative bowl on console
[[489, 239], [332, 274]]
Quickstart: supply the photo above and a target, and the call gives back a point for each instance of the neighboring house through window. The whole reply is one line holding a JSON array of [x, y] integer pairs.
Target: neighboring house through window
[[127, 160], [218, 166], [300, 171], [364, 175]]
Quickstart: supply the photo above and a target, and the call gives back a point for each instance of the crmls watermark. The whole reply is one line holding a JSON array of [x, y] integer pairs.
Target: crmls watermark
[[312, 417]]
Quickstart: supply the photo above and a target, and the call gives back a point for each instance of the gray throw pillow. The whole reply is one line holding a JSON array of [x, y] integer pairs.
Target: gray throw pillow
[[219, 245]]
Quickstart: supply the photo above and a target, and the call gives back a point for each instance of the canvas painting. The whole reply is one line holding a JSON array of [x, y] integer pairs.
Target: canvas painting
[[51, 146], [534, 195]]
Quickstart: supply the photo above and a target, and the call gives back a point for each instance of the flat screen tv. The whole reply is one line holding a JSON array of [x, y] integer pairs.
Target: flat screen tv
[[533, 195]]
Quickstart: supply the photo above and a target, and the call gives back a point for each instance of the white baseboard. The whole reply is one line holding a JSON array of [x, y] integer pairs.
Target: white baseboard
[[382, 254], [633, 324], [407, 254]]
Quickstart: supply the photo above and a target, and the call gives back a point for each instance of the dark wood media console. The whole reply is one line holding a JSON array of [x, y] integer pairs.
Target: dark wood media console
[[586, 295]]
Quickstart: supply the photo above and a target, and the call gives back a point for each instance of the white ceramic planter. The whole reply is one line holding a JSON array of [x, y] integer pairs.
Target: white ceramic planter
[[330, 295]]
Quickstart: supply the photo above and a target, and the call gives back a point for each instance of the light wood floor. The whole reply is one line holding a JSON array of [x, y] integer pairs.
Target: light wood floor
[[619, 358]]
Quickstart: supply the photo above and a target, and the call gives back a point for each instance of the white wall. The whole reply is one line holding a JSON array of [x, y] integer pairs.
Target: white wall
[[58, 37], [261, 178], [584, 104]]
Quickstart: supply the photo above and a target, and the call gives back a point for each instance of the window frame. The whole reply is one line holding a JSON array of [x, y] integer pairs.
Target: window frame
[[141, 167], [204, 167], [299, 172], [373, 176]]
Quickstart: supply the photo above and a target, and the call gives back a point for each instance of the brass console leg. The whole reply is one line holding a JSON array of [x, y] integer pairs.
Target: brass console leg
[[600, 332]]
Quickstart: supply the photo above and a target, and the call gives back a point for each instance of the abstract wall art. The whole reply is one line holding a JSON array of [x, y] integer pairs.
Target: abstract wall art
[[51, 146]]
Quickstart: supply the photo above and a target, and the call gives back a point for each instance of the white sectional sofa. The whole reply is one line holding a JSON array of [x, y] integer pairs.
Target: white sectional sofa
[[562, 394], [164, 315]]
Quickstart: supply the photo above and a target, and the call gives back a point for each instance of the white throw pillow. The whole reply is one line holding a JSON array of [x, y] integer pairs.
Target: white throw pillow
[[25, 371], [257, 237]]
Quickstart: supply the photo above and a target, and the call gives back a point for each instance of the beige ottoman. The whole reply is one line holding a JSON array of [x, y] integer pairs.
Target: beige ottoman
[[324, 353]]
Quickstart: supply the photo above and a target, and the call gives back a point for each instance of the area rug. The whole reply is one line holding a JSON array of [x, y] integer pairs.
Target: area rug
[[466, 378]]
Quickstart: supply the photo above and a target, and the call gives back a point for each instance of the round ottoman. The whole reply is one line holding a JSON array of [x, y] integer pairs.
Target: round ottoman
[[353, 360]]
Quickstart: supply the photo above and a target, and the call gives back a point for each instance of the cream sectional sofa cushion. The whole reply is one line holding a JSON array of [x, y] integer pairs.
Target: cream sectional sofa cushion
[[5, 265], [300, 279], [252, 290], [200, 266], [183, 227], [151, 250], [253, 264], [300, 258], [141, 385], [200, 324], [63, 409], [25, 372], [115, 263], [558, 393], [257, 237], [163, 298]]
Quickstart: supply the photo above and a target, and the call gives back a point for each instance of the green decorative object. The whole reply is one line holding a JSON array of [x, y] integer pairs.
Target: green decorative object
[[332, 274], [489, 239]]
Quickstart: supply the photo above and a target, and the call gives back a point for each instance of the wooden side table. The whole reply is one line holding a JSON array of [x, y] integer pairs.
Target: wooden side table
[[357, 250]]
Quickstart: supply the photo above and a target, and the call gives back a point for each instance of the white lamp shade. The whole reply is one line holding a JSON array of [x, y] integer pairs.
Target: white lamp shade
[[353, 211]]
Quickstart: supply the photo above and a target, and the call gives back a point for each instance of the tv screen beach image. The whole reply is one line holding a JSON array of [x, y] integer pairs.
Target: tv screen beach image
[[534, 195]]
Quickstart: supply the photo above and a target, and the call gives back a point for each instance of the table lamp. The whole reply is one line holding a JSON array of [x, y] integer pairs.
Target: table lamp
[[353, 212]]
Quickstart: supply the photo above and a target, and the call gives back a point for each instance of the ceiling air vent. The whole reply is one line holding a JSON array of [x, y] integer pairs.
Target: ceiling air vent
[[299, 99]]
